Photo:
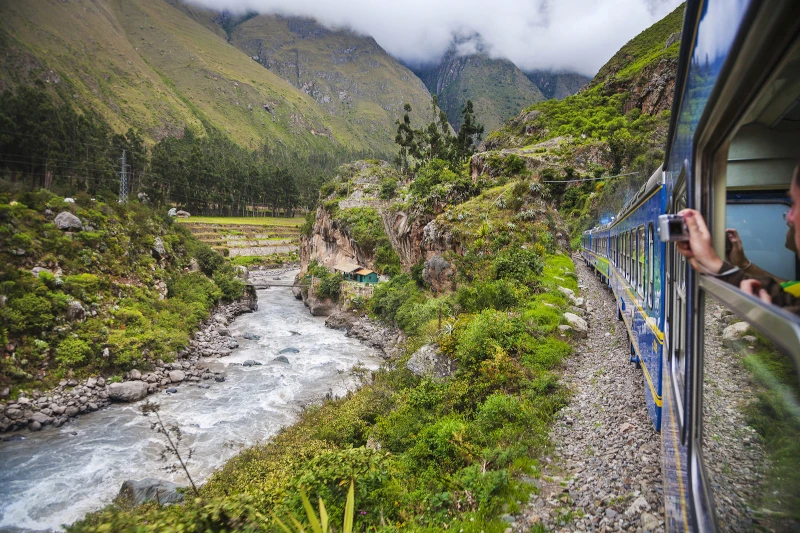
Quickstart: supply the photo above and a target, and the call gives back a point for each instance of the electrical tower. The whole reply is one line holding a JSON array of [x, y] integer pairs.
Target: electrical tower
[[123, 184]]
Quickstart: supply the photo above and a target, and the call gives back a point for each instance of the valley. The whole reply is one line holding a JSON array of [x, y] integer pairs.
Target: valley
[[440, 257]]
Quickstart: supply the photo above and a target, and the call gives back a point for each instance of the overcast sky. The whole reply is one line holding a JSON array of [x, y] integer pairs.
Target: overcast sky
[[577, 35]]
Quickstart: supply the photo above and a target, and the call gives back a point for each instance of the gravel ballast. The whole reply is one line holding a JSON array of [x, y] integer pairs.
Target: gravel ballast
[[605, 470]]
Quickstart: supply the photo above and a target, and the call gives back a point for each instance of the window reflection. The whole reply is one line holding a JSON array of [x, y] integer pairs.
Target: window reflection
[[751, 427]]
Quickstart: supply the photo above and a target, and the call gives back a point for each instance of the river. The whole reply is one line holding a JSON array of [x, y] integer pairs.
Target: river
[[57, 475]]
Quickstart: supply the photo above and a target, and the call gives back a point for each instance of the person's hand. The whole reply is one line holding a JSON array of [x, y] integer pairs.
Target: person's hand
[[698, 248], [753, 287], [736, 255]]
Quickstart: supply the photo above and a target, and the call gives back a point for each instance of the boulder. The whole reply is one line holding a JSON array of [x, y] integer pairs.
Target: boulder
[[127, 391], [68, 222], [176, 376], [578, 324], [150, 489], [173, 212], [281, 359], [182, 214], [734, 333], [134, 375], [75, 311], [251, 336], [427, 361], [250, 362], [158, 248], [297, 293], [318, 307], [438, 273]]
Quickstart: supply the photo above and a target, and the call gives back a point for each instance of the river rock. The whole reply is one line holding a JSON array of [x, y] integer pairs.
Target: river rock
[[219, 378], [150, 489], [176, 376], [281, 359], [250, 362], [427, 361], [232, 344], [251, 336], [127, 391], [172, 390], [289, 350], [297, 292], [134, 375], [68, 222], [72, 410], [34, 426], [41, 418], [318, 307]]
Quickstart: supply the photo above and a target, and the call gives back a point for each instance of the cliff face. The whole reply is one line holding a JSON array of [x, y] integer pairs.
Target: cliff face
[[354, 224]]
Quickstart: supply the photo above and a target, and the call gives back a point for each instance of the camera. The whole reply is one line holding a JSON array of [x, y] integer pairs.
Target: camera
[[672, 228]]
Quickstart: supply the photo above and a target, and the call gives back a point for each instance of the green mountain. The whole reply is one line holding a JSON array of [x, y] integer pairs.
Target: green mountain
[[557, 85], [616, 125], [497, 88], [160, 67]]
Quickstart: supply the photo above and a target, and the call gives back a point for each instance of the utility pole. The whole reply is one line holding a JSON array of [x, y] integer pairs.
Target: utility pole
[[123, 184]]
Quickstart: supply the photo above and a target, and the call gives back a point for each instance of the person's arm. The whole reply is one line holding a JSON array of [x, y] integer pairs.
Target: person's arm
[[737, 258]]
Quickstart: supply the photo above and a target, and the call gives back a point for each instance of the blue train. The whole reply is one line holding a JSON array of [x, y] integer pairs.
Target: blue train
[[727, 404]]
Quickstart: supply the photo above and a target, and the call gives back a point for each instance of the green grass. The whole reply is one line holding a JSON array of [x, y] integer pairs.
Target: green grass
[[244, 221]]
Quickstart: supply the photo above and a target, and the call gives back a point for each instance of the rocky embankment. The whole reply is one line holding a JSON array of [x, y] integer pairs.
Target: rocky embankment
[[605, 471], [73, 397], [373, 333]]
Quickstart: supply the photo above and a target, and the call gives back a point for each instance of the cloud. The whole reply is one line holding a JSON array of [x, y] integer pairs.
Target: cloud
[[577, 35]]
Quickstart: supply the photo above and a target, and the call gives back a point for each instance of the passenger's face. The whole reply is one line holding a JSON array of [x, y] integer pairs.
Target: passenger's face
[[793, 217]]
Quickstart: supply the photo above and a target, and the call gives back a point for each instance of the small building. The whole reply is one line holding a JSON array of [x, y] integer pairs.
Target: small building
[[354, 272], [365, 275]]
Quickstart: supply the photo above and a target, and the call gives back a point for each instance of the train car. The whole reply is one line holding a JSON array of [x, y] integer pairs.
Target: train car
[[727, 406]]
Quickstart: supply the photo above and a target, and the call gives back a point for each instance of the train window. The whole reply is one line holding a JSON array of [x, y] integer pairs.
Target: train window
[[640, 261], [650, 265], [749, 440], [751, 428], [628, 256]]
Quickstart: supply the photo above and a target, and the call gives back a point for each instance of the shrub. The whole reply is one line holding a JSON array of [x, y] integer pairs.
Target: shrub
[[229, 284], [83, 286], [519, 264], [30, 313], [72, 352], [209, 260]]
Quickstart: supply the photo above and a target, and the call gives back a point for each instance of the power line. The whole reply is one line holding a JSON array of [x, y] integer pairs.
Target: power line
[[589, 179]]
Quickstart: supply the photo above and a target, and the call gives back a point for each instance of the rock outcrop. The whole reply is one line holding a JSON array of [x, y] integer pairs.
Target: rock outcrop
[[127, 391], [428, 362]]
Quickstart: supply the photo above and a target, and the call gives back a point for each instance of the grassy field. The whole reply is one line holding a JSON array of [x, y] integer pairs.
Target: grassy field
[[249, 221]]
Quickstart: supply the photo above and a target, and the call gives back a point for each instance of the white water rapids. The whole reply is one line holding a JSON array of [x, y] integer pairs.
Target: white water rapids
[[57, 475]]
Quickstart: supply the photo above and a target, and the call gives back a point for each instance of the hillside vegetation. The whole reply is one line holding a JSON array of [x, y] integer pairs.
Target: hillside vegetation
[[615, 126], [103, 297], [159, 68]]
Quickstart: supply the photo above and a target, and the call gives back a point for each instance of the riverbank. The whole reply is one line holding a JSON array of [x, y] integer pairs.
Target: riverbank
[[71, 398], [56, 476]]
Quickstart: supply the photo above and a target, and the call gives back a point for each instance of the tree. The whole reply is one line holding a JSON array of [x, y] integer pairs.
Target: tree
[[468, 135]]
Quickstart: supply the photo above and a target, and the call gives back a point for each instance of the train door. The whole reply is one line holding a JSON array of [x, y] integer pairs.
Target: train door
[[744, 440]]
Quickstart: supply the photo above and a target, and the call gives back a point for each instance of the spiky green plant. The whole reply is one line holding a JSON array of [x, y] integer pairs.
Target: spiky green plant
[[320, 524]]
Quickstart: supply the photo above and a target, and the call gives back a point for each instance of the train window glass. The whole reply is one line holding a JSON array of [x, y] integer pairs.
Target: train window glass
[[650, 265], [764, 244], [628, 256], [640, 251], [751, 428]]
